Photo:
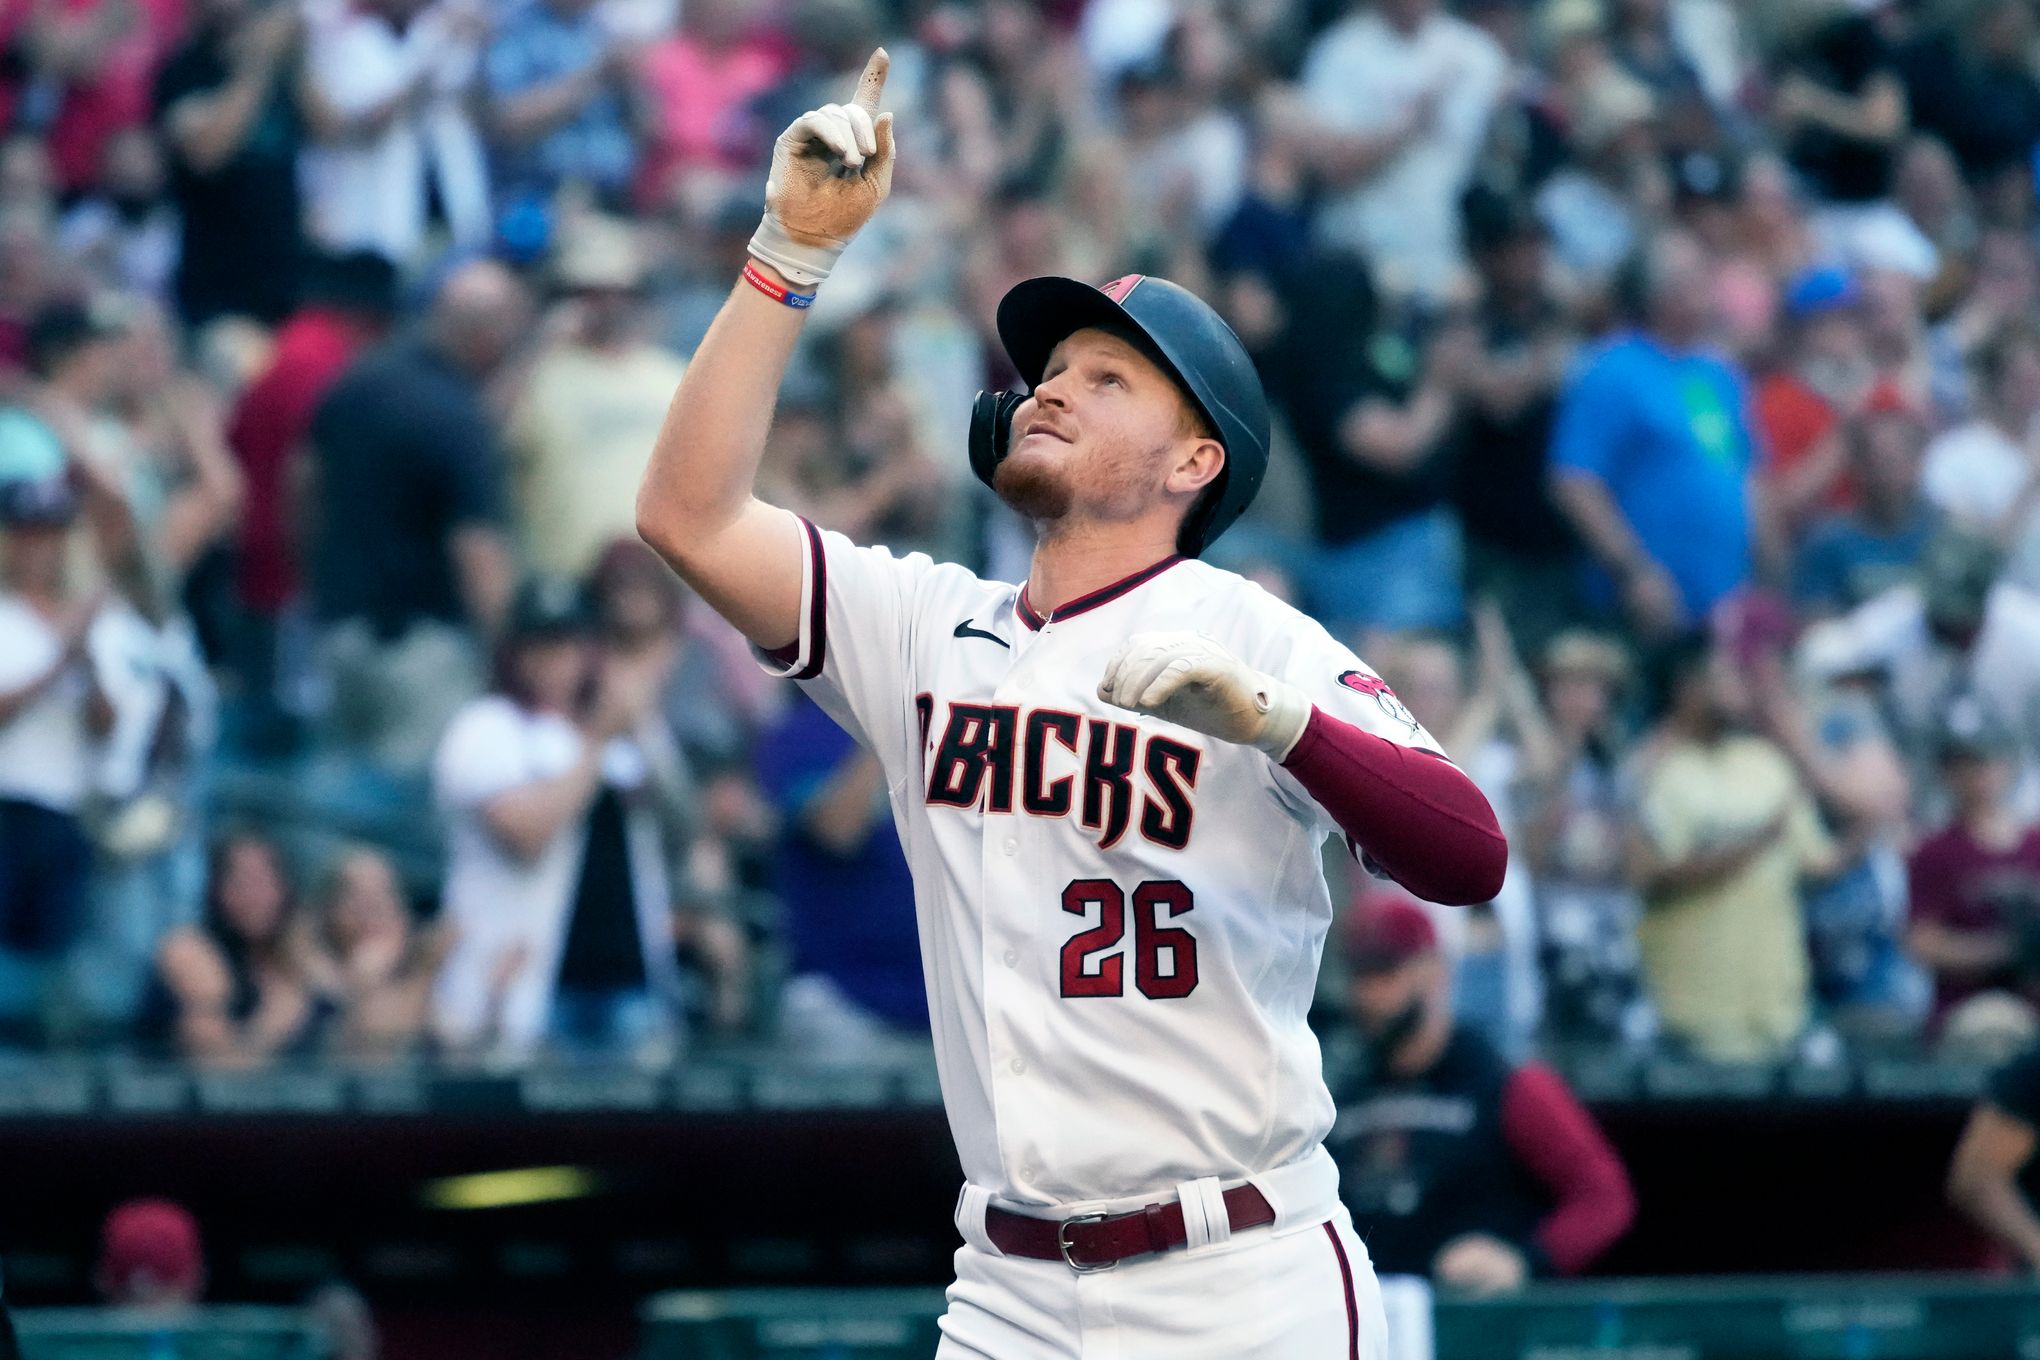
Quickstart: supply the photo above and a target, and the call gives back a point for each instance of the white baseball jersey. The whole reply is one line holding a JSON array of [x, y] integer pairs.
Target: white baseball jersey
[[1120, 919]]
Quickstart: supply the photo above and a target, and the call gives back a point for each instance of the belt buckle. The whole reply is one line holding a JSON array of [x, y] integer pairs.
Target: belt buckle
[[1062, 1239]]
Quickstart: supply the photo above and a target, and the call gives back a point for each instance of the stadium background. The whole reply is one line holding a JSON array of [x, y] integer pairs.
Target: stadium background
[[323, 327]]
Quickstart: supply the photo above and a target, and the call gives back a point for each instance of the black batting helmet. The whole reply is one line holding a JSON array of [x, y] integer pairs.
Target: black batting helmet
[[1196, 347]]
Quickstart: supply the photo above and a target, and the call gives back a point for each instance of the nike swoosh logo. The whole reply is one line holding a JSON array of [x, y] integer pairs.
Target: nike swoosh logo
[[965, 630]]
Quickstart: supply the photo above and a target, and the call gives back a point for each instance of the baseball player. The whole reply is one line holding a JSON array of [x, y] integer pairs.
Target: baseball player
[[1112, 782]]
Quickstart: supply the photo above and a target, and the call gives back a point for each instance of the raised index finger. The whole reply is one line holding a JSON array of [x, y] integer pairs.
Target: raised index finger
[[871, 84]]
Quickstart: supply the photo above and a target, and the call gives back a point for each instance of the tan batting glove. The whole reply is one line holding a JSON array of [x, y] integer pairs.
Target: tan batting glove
[[830, 171], [1189, 679]]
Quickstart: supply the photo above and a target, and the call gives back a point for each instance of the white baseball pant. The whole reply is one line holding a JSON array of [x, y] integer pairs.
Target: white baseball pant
[[1308, 1294]]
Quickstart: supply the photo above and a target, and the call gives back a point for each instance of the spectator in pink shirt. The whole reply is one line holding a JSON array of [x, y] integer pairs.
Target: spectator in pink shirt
[[699, 82]]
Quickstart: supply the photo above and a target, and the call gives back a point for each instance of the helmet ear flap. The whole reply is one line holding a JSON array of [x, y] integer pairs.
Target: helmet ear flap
[[991, 430]]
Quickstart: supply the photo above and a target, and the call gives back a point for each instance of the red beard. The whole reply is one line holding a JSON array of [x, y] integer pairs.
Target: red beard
[[1033, 487]]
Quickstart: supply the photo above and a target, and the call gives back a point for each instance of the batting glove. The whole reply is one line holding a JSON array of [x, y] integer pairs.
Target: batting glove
[[1189, 679], [830, 171]]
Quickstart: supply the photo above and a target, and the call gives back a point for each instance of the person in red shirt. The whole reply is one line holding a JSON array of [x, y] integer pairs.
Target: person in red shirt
[[1455, 1163], [1827, 374], [1976, 883], [100, 57], [350, 301]]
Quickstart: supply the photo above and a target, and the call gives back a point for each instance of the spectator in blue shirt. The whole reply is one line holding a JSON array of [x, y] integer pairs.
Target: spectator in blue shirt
[[854, 987], [1652, 453], [1854, 555], [560, 111]]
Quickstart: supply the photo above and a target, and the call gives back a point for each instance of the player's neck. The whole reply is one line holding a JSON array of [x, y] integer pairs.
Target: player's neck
[[1070, 565]]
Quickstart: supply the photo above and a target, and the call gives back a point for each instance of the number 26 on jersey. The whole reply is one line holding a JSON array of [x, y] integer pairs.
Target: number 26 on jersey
[[1164, 956]]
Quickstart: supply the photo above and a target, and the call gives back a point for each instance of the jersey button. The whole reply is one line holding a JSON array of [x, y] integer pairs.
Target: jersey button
[[1019, 1065], [1030, 1172], [1012, 846], [1012, 957]]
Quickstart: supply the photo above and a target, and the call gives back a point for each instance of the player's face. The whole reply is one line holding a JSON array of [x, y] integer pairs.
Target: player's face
[[1105, 437]]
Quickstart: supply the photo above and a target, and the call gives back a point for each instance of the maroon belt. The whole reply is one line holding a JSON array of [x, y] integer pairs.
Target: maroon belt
[[1101, 1241]]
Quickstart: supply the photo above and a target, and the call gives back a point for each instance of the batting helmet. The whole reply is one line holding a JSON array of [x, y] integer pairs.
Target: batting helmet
[[1197, 348]]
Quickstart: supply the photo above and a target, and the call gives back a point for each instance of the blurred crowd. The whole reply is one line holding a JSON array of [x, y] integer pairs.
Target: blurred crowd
[[1658, 393]]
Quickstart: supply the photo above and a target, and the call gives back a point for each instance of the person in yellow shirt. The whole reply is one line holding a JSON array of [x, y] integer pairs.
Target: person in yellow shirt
[[1725, 832], [591, 405]]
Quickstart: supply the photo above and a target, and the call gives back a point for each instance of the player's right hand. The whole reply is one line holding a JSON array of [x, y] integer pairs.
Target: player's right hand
[[1191, 680], [830, 171]]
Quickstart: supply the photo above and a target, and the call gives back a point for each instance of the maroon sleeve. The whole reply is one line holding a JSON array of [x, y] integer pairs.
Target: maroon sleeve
[[1553, 1136], [1414, 813]]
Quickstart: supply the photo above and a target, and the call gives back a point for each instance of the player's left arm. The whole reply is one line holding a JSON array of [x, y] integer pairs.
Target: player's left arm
[[1414, 812]]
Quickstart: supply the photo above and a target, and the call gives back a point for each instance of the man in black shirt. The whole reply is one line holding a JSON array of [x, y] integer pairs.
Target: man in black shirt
[[410, 567], [1519, 549], [1995, 1179], [1974, 89], [1456, 1163], [1841, 104], [229, 114], [1371, 400]]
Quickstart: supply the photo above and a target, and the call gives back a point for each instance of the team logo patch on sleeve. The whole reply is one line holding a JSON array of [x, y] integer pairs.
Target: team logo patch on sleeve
[[1376, 688]]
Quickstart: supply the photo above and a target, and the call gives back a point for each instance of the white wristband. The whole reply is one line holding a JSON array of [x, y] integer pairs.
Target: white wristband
[[1288, 711], [797, 261]]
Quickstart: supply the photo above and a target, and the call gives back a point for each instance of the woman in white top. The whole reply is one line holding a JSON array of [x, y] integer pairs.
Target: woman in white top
[[558, 797], [54, 717]]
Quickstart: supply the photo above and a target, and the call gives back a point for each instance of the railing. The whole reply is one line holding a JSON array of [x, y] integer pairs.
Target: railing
[[763, 1080], [210, 1333], [1817, 1318]]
